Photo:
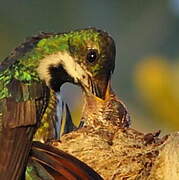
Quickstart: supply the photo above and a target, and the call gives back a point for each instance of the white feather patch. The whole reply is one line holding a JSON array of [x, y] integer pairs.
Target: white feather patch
[[70, 65]]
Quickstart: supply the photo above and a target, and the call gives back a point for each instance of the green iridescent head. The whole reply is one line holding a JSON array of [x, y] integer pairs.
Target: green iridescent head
[[85, 57], [93, 48]]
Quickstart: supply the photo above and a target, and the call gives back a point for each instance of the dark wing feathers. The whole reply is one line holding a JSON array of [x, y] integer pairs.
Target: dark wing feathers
[[15, 144], [61, 165], [22, 49], [22, 92], [19, 121], [26, 104], [19, 113]]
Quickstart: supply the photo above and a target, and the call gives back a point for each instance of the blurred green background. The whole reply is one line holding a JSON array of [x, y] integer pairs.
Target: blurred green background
[[147, 40]]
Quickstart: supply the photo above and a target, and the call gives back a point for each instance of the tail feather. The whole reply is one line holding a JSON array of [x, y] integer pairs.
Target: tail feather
[[61, 165]]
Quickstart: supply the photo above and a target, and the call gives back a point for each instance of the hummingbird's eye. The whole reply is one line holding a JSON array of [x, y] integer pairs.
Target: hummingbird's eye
[[92, 55]]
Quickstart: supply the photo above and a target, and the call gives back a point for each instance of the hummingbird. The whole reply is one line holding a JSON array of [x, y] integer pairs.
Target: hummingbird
[[30, 79], [88, 60]]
